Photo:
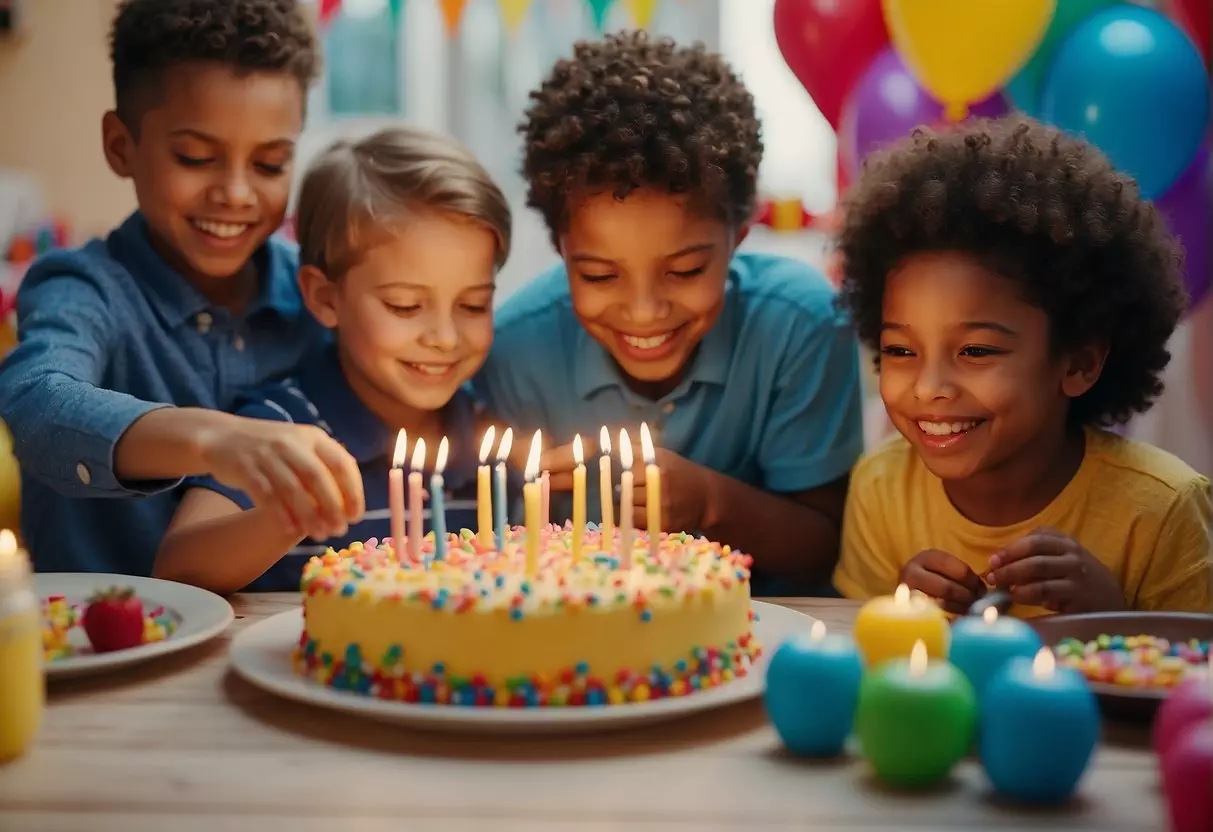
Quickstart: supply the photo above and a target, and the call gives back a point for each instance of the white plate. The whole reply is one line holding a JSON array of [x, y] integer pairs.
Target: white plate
[[262, 655], [200, 615]]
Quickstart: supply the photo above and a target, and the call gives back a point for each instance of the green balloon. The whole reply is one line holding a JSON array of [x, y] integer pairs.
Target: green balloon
[[599, 9], [1025, 87]]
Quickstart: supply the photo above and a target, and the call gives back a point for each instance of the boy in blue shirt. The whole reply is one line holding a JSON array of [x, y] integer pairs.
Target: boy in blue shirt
[[128, 343], [401, 235], [642, 157]]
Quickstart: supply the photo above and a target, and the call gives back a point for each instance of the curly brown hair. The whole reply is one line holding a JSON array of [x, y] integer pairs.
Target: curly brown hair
[[1039, 207], [149, 36], [628, 112]]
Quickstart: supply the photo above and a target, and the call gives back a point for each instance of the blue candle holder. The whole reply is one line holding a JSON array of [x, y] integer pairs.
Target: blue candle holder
[[812, 687], [1038, 728], [982, 645]]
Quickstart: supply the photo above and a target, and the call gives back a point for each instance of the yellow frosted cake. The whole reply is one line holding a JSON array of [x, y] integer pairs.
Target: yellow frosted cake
[[473, 629]]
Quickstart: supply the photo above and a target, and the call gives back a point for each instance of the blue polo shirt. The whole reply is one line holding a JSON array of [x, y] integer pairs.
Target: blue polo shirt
[[319, 395], [109, 332], [771, 398]]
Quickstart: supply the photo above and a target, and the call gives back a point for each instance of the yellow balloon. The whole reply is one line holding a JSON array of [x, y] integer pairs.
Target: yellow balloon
[[961, 51]]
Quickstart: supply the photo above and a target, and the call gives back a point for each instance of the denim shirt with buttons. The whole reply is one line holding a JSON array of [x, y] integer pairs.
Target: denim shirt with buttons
[[109, 332]]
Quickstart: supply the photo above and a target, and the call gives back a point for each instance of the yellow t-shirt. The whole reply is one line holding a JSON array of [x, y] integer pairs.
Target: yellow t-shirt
[[1143, 512]]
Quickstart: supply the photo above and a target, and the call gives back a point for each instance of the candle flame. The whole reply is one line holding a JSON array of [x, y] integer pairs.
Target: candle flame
[[8, 542], [604, 441], [625, 449], [1044, 665], [486, 444], [532, 458], [577, 453], [507, 443], [818, 631], [418, 456], [646, 444], [918, 658], [902, 595], [440, 462], [989, 615], [402, 446]]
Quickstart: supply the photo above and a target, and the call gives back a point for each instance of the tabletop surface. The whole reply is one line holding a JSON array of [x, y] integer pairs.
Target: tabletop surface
[[182, 743]]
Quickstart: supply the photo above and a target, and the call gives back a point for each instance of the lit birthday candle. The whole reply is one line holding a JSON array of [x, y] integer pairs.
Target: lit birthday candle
[[484, 498], [578, 498], [415, 508], [395, 491], [438, 502], [606, 491], [500, 500], [530, 499], [652, 492], [625, 500]]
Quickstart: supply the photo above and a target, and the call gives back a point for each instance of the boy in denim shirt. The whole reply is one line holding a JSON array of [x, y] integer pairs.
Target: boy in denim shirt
[[129, 344]]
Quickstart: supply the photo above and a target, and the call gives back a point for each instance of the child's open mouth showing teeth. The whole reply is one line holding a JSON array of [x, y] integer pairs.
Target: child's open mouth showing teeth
[[948, 428]]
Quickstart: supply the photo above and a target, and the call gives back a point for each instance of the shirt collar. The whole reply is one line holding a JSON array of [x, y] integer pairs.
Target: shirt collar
[[367, 438], [596, 370], [176, 299]]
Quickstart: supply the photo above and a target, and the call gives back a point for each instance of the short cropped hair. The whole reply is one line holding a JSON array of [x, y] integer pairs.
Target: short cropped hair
[[148, 37], [357, 191], [1044, 209], [629, 112]]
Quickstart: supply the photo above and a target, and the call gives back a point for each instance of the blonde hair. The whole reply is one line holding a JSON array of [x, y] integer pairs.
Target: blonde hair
[[356, 191]]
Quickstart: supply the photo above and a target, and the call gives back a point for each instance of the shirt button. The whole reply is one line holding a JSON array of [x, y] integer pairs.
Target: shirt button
[[203, 322], [238, 343], [83, 474], [667, 408]]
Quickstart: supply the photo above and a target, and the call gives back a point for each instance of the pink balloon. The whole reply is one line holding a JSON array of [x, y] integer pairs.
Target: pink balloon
[[887, 104], [1188, 208]]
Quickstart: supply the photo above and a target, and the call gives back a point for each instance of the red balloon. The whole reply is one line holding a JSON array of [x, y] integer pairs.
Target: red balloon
[[828, 44], [1196, 18]]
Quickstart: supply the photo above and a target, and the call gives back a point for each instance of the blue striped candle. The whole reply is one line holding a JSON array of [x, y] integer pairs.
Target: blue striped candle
[[499, 496], [438, 502]]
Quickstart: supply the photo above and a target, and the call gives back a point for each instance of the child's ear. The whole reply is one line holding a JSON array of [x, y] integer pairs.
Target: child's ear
[[319, 295], [1083, 367], [118, 145]]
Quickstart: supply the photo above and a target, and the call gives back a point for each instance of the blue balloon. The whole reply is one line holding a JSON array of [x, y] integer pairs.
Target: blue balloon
[[1131, 82]]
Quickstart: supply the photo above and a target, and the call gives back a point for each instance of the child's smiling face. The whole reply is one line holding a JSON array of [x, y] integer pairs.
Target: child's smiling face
[[211, 164], [647, 279], [967, 371], [414, 314]]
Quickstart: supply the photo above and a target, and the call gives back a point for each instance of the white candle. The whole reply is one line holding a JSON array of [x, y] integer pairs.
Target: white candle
[[606, 487], [395, 483], [416, 510]]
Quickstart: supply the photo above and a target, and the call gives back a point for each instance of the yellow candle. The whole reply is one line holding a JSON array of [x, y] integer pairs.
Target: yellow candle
[[606, 487], [578, 498], [625, 500], [887, 627], [484, 493], [22, 690], [652, 492], [531, 499]]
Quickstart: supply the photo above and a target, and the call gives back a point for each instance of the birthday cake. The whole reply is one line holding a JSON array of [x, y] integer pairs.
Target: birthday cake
[[478, 628]]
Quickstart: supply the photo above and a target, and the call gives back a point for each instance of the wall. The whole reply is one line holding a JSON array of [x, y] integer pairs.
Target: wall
[[54, 87]]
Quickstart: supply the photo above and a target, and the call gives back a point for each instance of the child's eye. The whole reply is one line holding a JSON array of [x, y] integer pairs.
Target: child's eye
[[401, 310], [595, 278], [192, 161], [894, 351], [695, 272], [271, 170], [474, 309], [979, 352]]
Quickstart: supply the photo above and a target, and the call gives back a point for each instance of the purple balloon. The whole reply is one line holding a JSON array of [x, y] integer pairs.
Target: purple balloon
[[1188, 208], [887, 104]]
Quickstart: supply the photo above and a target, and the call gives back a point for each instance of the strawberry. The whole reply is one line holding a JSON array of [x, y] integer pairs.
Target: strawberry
[[113, 620]]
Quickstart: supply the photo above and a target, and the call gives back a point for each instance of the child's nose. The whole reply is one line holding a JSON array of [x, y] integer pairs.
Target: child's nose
[[933, 382]]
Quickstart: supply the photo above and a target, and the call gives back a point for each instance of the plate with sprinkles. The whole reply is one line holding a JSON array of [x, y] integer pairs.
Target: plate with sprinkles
[[262, 654], [95, 623]]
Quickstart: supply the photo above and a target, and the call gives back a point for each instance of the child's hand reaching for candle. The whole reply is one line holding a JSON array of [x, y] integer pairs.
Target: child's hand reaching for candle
[[684, 492], [944, 577], [298, 471], [1052, 570]]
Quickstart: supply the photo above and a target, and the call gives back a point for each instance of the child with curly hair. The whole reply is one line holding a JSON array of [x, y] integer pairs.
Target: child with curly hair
[[642, 157], [1020, 294], [130, 344]]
